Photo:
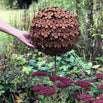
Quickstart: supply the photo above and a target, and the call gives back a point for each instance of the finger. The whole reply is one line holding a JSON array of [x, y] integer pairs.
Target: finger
[[32, 46], [28, 36], [29, 43], [26, 33]]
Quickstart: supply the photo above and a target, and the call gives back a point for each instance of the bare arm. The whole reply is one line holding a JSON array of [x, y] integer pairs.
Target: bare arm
[[21, 35]]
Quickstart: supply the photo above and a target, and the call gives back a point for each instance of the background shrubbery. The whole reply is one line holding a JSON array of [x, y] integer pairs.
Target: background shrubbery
[[18, 62]]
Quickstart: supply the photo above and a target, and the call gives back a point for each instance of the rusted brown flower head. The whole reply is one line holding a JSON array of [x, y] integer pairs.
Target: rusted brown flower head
[[54, 31]]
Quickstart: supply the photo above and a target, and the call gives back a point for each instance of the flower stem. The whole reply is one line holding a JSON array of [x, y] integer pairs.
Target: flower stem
[[55, 82]]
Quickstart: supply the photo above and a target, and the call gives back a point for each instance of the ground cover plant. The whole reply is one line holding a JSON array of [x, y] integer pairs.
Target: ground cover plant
[[24, 71], [25, 75]]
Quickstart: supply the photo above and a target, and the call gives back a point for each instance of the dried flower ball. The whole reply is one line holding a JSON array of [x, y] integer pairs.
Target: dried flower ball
[[54, 31]]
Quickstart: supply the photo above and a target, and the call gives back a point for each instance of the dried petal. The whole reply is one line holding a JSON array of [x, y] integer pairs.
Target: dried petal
[[55, 31]]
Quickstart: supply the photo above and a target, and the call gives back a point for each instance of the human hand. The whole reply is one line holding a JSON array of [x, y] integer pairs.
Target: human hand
[[25, 38], [21, 35]]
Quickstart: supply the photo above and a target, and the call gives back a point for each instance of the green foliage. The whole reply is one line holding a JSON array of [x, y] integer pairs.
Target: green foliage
[[19, 61], [65, 4], [97, 35], [7, 3], [17, 77], [1, 90], [70, 63], [28, 70]]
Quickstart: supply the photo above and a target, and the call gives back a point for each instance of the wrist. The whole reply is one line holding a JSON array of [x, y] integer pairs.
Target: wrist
[[15, 32]]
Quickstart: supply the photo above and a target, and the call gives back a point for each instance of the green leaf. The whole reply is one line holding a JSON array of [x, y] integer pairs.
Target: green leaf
[[75, 68], [1, 92], [95, 35], [28, 69], [76, 101], [51, 64], [96, 66], [41, 63], [71, 59], [21, 60], [43, 68], [12, 90], [61, 64], [100, 58], [59, 58], [39, 53], [90, 64], [88, 71], [101, 36], [32, 62], [72, 51], [78, 71], [1, 87]]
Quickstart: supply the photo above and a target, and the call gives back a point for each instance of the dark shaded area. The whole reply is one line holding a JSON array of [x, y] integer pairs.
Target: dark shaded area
[[24, 4]]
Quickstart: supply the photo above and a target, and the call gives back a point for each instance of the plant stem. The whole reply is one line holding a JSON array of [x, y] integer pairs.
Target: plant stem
[[13, 98], [5, 98], [55, 81]]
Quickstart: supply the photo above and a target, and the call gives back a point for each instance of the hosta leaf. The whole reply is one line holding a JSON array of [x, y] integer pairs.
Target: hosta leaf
[[51, 64], [96, 66], [28, 69], [41, 63], [32, 62]]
